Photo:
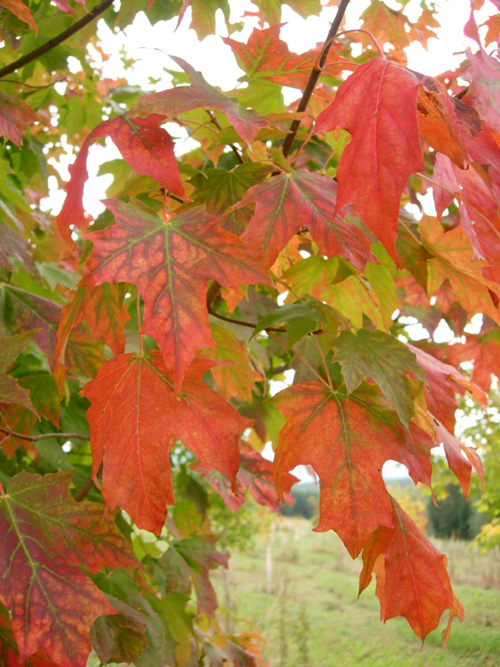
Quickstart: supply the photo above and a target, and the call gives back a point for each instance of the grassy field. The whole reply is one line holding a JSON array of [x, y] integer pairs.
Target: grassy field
[[309, 613]]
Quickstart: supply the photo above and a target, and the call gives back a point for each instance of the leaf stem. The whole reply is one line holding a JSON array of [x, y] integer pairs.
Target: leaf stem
[[327, 372], [139, 321], [52, 43], [44, 436], [306, 363], [314, 76], [232, 146]]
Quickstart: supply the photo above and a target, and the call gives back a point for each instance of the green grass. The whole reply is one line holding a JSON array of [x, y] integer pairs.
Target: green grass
[[312, 616]]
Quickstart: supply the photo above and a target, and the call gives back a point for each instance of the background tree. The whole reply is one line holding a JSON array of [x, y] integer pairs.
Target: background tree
[[138, 348]]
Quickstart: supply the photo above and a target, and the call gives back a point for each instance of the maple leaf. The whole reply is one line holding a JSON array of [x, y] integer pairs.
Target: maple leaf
[[220, 190], [377, 106], [383, 358], [102, 307], [266, 57], [19, 9], [286, 203], [25, 311], [412, 580], [15, 116], [255, 473], [170, 103], [138, 391], [9, 654], [236, 378], [483, 91], [10, 348], [443, 381], [461, 466], [189, 560], [347, 440], [484, 351], [171, 263], [453, 259], [478, 213], [47, 536], [15, 245], [145, 146], [121, 637]]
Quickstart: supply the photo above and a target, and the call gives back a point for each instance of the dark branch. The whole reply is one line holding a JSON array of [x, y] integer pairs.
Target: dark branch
[[52, 43], [252, 325], [44, 436], [314, 76]]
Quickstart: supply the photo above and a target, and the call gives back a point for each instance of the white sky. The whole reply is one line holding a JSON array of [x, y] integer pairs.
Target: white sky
[[151, 46]]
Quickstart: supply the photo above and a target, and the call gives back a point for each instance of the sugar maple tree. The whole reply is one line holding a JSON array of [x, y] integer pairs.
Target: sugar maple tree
[[138, 348]]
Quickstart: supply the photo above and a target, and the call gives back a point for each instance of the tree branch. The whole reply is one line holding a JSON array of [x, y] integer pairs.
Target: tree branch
[[52, 43], [314, 76], [44, 436], [252, 325]]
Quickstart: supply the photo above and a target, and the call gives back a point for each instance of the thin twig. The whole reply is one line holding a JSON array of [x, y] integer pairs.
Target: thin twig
[[44, 436], [28, 85], [314, 76], [251, 325], [232, 146], [52, 43], [86, 487]]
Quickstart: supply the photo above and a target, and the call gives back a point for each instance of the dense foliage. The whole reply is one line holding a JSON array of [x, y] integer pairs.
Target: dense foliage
[[139, 348]]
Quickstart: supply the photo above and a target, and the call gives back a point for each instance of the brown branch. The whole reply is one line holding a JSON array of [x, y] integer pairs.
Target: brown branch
[[314, 76], [86, 487], [44, 436], [52, 43]]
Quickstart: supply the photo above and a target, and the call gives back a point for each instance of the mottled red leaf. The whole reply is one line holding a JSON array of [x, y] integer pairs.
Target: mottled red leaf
[[453, 260], [266, 57], [137, 392], [46, 537], [10, 348], [145, 146], [484, 351], [25, 311], [377, 106], [9, 653], [19, 9], [170, 103], [15, 116], [347, 440], [102, 308], [412, 580], [483, 93], [15, 245], [171, 263], [286, 203], [461, 466], [443, 381]]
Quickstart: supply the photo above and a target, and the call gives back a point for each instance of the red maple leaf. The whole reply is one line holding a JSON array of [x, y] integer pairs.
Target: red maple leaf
[[347, 440], [47, 536], [146, 147], [137, 392], [412, 580], [377, 106], [171, 263]]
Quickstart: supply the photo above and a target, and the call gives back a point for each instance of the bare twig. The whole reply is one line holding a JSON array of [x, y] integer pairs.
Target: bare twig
[[314, 76], [44, 436], [52, 43], [251, 325]]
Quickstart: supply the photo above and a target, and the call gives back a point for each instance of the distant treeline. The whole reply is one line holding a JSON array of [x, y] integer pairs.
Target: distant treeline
[[453, 518]]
